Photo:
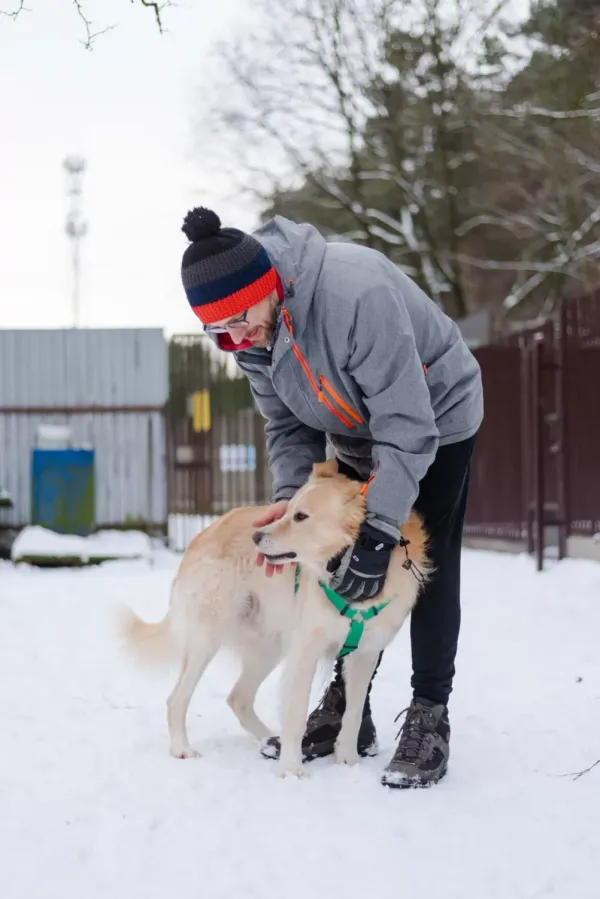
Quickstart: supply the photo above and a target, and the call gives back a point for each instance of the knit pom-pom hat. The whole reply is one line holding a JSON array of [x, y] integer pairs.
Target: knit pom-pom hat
[[224, 271]]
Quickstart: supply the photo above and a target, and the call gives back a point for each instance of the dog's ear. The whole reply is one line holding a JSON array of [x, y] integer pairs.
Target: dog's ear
[[327, 469]]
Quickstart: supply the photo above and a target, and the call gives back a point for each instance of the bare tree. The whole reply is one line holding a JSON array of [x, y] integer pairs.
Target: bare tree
[[357, 103], [424, 145], [295, 102], [467, 154], [545, 129]]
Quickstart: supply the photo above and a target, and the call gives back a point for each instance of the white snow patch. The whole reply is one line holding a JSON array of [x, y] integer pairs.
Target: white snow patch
[[38, 542], [92, 805]]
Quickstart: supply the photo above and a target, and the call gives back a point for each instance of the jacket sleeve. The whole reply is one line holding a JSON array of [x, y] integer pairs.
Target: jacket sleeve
[[292, 447], [385, 364]]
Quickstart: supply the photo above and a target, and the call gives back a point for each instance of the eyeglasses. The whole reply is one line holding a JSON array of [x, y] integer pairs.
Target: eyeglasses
[[239, 324]]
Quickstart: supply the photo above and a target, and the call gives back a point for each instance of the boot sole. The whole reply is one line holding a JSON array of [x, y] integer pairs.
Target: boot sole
[[411, 782]]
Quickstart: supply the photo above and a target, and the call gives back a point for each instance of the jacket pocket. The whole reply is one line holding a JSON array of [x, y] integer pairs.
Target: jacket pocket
[[318, 390], [323, 390], [333, 395]]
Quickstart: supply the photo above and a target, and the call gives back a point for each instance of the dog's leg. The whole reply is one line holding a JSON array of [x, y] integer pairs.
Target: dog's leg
[[300, 672], [256, 666], [358, 670], [195, 662]]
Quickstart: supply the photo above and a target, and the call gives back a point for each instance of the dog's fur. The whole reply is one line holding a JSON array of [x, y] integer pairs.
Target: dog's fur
[[221, 598]]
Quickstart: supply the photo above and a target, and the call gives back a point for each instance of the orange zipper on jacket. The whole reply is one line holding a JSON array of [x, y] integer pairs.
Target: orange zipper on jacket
[[323, 383], [344, 405], [366, 485], [321, 398]]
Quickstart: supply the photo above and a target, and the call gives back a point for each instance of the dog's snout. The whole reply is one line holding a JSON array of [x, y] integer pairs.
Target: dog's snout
[[257, 537]]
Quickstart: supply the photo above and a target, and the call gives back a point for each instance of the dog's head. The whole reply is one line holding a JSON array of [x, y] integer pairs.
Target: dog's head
[[321, 519]]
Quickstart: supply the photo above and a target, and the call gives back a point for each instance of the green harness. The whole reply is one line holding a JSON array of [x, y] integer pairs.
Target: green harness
[[357, 617]]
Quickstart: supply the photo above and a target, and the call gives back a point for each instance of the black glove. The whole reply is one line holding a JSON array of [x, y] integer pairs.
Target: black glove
[[362, 569]]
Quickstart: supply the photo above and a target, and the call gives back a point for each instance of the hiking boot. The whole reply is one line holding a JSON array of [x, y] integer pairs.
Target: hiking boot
[[421, 758], [323, 727]]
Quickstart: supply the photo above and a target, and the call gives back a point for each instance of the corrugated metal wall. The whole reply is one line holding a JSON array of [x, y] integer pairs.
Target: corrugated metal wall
[[110, 387]]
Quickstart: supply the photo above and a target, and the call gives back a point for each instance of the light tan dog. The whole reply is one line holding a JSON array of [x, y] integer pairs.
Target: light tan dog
[[221, 598]]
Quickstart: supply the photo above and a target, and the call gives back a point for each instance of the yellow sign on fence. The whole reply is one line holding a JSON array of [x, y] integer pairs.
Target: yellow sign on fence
[[201, 410]]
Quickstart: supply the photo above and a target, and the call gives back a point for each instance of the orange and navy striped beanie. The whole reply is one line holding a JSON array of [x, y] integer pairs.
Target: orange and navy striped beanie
[[224, 271]]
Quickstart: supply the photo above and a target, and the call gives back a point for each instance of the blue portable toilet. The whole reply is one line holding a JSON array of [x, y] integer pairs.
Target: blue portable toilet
[[62, 483]]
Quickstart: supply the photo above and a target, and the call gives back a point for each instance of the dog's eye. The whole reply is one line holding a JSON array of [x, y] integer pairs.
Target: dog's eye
[[300, 516]]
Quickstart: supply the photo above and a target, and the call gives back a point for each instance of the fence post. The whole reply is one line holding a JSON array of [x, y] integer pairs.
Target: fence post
[[538, 451], [561, 411], [526, 438]]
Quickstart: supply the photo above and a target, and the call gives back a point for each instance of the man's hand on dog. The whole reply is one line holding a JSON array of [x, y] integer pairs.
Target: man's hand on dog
[[363, 568], [273, 513]]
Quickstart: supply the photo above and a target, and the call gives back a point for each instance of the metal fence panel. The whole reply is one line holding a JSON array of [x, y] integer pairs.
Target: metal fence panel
[[551, 372], [83, 367], [109, 386], [583, 434], [495, 506], [215, 441]]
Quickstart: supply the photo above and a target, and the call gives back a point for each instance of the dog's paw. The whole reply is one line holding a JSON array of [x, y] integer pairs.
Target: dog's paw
[[184, 752], [346, 755], [270, 748]]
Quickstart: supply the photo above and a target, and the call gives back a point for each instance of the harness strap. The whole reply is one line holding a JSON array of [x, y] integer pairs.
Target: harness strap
[[357, 617]]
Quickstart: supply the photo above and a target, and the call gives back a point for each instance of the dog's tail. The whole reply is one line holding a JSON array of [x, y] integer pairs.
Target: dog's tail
[[150, 643]]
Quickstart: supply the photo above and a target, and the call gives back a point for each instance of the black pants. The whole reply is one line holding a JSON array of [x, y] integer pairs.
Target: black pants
[[435, 619]]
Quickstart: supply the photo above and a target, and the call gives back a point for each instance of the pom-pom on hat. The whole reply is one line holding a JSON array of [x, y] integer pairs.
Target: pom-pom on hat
[[224, 271]]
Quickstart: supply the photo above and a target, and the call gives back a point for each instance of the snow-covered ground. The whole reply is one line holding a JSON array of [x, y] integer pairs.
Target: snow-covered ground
[[92, 805], [35, 543]]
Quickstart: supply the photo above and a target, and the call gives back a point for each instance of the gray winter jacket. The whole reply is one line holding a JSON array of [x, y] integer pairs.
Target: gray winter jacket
[[362, 358]]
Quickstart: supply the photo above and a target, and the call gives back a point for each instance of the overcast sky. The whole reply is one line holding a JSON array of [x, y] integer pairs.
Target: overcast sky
[[128, 107]]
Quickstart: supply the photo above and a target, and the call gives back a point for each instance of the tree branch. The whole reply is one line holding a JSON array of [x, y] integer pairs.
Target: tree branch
[[520, 292], [158, 8], [90, 35], [577, 774], [525, 110], [511, 266], [13, 15]]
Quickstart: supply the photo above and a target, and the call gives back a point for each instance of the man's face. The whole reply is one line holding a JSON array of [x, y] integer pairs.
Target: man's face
[[257, 324]]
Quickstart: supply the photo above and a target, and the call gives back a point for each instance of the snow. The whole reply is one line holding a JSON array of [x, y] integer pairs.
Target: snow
[[92, 805], [35, 542]]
